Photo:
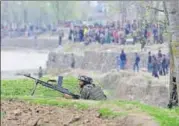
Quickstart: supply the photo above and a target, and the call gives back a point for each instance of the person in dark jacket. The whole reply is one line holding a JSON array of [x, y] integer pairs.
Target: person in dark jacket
[[164, 65], [81, 33], [159, 59], [155, 34], [145, 33], [136, 63], [149, 62], [70, 34], [60, 36], [159, 54], [122, 60], [154, 67]]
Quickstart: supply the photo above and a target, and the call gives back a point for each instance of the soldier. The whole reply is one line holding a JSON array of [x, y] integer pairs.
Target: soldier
[[88, 90]]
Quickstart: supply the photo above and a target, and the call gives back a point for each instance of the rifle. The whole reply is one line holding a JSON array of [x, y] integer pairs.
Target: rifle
[[58, 87]]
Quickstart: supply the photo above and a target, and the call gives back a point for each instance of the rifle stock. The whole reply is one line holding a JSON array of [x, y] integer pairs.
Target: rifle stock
[[54, 87]]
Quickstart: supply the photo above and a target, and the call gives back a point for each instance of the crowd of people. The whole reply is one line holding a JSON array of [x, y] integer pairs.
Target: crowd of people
[[118, 34], [156, 64], [28, 30]]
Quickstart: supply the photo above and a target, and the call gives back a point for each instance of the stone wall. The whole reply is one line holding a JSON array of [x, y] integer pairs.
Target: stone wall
[[95, 61]]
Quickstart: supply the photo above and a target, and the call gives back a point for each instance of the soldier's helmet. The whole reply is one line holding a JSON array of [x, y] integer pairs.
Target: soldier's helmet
[[86, 79]]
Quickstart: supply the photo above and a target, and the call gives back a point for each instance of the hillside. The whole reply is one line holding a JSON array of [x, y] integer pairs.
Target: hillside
[[47, 107]]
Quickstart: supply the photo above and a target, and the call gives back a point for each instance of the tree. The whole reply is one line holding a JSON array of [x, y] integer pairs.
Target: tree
[[173, 12]]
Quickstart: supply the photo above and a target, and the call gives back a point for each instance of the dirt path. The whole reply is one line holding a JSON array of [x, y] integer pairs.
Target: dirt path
[[19, 113]]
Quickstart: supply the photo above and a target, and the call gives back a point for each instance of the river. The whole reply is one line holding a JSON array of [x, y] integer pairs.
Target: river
[[13, 61]]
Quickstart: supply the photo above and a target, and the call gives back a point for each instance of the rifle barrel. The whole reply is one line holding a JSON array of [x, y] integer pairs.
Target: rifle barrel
[[54, 87]]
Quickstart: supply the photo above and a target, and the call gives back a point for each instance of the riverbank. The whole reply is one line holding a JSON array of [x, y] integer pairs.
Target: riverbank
[[18, 60]]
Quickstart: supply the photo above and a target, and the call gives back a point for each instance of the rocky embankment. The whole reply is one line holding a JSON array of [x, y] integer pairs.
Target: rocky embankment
[[102, 59], [124, 84], [96, 57], [97, 61], [137, 86]]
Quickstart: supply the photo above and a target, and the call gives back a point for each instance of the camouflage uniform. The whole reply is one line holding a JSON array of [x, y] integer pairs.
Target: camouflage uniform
[[92, 92]]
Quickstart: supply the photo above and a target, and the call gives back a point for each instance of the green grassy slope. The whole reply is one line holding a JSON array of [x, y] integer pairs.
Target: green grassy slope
[[21, 89]]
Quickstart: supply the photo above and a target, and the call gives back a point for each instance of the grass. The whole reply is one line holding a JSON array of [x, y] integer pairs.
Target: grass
[[108, 113], [60, 102], [164, 116], [21, 89], [24, 87]]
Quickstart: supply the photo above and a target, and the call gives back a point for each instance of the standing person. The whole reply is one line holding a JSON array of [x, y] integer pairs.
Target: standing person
[[70, 34], [134, 25], [154, 67], [127, 28], [149, 64], [145, 33], [60, 36], [75, 34], [164, 65], [160, 54], [161, 34], [40, 72], [81, 33], [155, 34], [159, 59], [136, 64], [122, 60]]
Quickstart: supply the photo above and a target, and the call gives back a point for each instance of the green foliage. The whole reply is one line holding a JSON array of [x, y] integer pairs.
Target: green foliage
[[23, 87], [165, 117], [20, 89], [108, 113]]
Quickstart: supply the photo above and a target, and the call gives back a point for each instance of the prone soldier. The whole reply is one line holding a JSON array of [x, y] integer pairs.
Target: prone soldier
[[88, 90]]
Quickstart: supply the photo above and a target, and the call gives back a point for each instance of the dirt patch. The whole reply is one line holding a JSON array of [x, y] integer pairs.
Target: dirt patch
[[25, 114]]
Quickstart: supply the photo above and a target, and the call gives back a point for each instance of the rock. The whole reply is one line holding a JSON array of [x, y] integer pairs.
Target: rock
[[86, 121], [75, 119], [17, 112], [98, 115]]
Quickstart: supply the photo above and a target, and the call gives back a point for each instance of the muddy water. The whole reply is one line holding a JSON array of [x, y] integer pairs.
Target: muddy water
[[13, 61]]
